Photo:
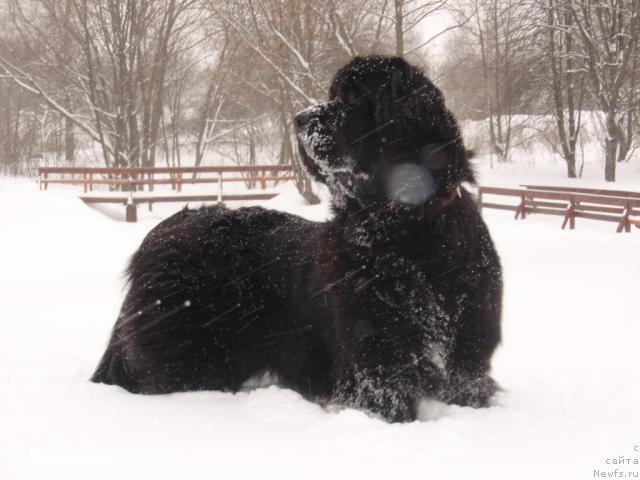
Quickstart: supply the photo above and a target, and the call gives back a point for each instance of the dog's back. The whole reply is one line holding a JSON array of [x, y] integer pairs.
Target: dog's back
[[209, 292]]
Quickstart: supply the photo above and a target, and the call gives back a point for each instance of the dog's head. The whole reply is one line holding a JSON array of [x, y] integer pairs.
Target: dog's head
[[384, 135]]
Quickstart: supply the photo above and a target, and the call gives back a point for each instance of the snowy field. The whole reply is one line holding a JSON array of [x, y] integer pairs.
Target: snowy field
[[568, 365]]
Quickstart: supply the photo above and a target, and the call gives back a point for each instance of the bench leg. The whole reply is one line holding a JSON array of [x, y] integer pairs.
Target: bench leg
[[625, 223], [570, 215], [569, 218], [521, 211], [132, 213]]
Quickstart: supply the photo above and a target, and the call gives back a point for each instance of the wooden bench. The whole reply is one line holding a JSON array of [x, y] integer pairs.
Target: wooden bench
[[130, 181], [591, 191], [572, 203]]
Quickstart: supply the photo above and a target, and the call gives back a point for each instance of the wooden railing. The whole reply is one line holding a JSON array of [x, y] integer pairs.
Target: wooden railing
[[591, 191], [132, 180], [621, 207]]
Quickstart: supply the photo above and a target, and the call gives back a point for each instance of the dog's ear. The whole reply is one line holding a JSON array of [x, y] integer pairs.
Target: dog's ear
[[446, 156], [458, 168], [412, 110], [392, 121]]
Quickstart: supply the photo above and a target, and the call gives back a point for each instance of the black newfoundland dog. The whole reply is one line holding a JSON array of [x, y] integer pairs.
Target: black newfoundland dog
[[395, 299]]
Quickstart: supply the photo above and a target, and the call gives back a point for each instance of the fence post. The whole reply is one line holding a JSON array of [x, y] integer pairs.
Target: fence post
[[179, 181], [131, 212], [263, 182], [219, 187]]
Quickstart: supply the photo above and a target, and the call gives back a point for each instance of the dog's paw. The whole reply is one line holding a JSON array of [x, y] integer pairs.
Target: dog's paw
[[373, 392], [472, 392]]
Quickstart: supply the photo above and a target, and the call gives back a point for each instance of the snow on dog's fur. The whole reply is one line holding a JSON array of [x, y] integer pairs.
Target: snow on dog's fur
[[395, 299]]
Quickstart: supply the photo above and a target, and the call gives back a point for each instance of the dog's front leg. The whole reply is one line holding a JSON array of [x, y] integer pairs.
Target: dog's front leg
[[374, 390], [470, 361], [389, 389]]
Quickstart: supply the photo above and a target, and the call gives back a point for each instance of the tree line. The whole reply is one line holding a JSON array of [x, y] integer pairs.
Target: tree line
[[554, 57], [168, 82]]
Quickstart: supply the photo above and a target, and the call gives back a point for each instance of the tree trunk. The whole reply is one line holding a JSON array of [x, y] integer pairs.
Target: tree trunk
[[399, 27], [69, 142], [624, 141], [611, 147], [571, 165]]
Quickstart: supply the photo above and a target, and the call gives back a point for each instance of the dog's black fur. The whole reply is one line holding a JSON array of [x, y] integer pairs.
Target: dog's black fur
[[397, 298]]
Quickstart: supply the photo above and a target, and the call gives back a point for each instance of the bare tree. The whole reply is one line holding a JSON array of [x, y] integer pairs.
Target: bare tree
[[607, 41], [407, 15], [18, 128], [566, 82], [508, 48], [294, 47], [208, 124], [124, 52]]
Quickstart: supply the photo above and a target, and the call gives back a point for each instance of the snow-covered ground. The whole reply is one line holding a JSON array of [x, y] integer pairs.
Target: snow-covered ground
[[568, 365]]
